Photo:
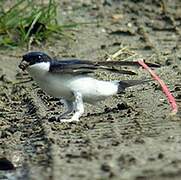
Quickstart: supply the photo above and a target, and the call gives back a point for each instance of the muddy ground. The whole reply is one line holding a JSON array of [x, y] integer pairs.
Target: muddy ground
[[130, 136]]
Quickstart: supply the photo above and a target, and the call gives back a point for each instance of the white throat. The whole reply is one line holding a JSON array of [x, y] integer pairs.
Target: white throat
[[38, 69]]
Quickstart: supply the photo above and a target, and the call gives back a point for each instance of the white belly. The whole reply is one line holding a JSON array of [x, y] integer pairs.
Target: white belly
[[92, 89]]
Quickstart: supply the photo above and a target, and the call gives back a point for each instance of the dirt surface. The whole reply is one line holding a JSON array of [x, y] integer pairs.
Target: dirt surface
[[130, 136]]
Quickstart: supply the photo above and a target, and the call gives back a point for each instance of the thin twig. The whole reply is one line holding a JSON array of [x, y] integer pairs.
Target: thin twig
[[20, 82], [116, 54]]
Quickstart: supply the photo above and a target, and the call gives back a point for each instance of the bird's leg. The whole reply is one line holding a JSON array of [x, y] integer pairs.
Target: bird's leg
[[69, 105], [78, 108]]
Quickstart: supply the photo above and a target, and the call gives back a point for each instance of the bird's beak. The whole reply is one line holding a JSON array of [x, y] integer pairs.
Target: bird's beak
[[23, 65]]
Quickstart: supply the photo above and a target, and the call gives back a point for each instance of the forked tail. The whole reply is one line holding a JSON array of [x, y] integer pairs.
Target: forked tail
[[128, 83]]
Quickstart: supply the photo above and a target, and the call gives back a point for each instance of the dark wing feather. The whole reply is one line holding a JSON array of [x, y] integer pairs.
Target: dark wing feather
[[75, 66], [71, 66]]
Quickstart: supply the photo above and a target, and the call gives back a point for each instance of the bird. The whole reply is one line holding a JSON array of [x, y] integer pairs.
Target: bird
[[72, 80]]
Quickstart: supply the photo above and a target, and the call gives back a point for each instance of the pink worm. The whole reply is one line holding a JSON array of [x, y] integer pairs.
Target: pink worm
[[165, 89]]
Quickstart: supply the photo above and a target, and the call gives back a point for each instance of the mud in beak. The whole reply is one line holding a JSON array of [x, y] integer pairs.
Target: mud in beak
[[23, 65]]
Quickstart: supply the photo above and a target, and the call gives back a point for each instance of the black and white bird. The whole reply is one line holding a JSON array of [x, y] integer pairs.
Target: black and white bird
[[71, 80]]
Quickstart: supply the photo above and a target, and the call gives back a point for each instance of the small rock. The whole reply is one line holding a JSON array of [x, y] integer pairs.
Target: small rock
[[160, 156], [6, 164], [52, 119], [105, 167], [122, 106]]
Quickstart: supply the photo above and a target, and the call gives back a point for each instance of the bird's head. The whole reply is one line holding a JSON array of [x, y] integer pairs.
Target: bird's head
[[33, 58]]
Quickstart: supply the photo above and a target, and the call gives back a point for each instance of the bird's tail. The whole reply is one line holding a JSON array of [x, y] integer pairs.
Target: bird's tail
[[128, 83]]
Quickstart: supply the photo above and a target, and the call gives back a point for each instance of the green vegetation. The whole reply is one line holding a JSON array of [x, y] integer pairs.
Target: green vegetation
[[28, 21]]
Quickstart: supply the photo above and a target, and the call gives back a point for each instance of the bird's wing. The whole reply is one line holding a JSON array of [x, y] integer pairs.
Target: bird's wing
[[75, 66]]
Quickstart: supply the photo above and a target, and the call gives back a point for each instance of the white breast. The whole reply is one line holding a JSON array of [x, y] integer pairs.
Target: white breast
[[54, 84], [38, 70]]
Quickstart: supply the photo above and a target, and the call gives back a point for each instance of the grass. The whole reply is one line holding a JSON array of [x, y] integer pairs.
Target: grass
[[27, 21]]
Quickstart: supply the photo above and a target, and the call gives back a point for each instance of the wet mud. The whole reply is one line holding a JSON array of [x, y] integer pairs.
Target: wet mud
[[128, 136]]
